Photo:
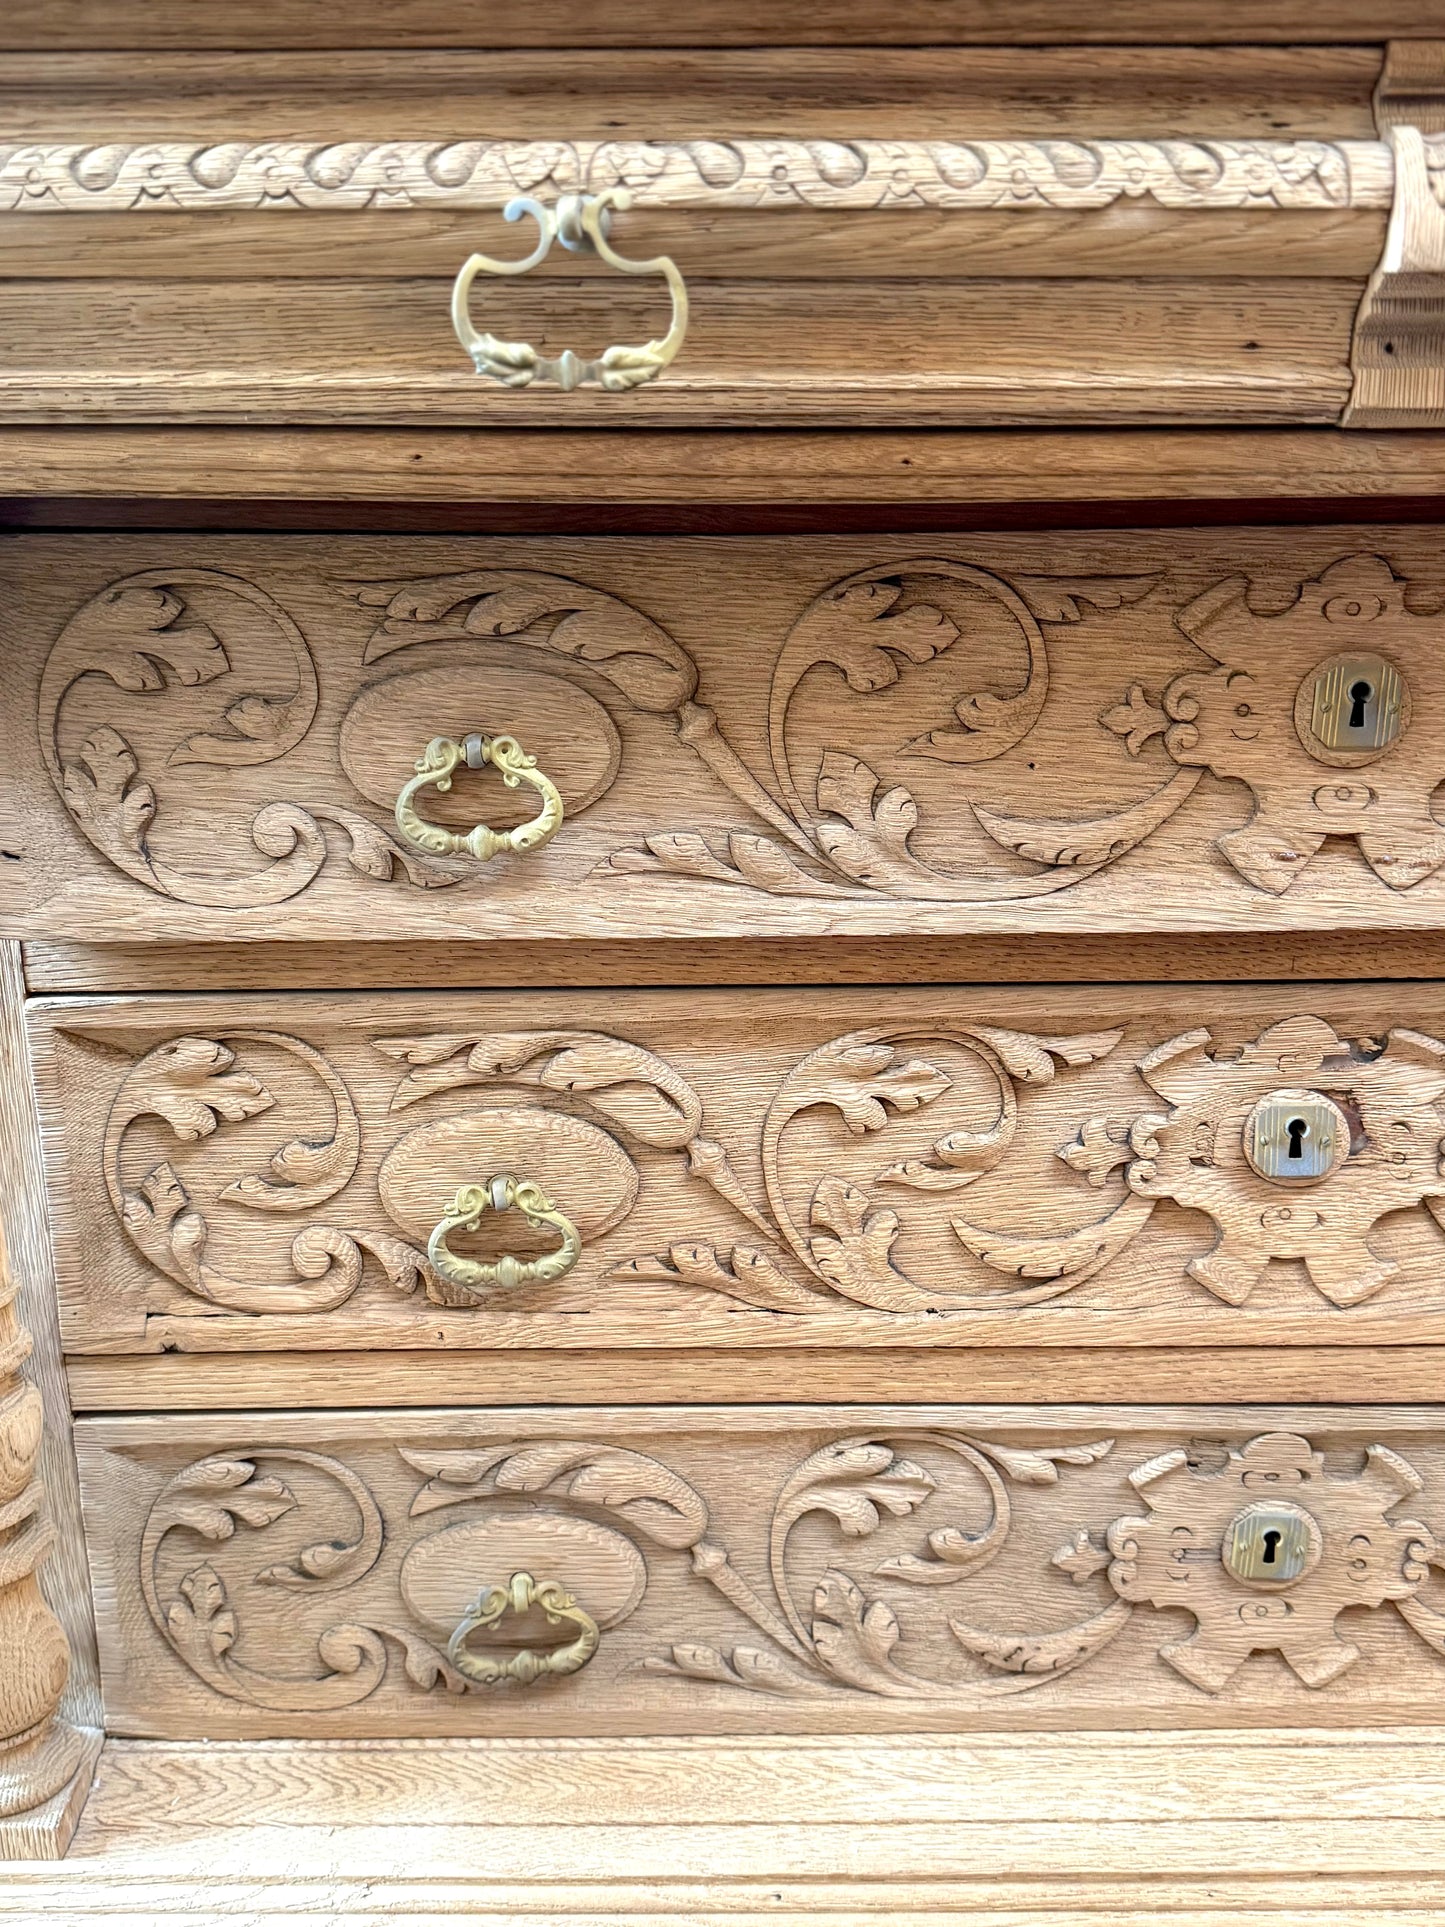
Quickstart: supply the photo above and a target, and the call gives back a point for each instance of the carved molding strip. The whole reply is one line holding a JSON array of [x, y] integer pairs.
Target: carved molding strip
[[189, 176]]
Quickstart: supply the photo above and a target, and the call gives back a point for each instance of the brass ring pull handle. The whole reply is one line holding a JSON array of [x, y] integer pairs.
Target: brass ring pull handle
[[440, 761], [501, 1194], [580, 222], [493, 1603]]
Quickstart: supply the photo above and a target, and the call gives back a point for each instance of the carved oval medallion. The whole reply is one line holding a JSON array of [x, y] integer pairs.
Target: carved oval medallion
[[585, 1172], [604, 1572], [568, 731]]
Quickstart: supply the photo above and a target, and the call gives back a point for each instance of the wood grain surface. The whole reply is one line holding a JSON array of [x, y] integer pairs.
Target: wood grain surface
[[1295, 473], [775, 739], [800, 1569], [145, 25], [819, 1168], [1004, 1831]]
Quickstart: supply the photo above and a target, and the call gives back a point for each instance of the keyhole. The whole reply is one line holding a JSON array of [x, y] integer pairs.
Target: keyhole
[[1271, 1546], [1360, 694], [1298, 1131]]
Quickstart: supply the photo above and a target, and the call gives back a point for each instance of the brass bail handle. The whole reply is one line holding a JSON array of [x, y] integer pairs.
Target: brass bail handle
[[440, 761], [581, 223], [503, 1194], [493, 1603]]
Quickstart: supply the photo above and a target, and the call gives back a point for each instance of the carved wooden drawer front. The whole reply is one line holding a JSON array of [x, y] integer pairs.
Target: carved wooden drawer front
[[1157, 730], [1116, 1165], [795, 1570]]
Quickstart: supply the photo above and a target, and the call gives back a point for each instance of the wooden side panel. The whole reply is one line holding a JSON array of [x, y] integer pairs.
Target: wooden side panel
[[853, 1569], [753, 1169], [1033, 733]]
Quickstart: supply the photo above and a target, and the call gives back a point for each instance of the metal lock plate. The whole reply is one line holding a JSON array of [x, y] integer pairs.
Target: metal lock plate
[[1296, 1137], [1350, 709], [1271, 1545]]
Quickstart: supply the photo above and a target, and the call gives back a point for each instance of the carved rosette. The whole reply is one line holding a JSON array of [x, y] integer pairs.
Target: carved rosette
[[39, 1754]]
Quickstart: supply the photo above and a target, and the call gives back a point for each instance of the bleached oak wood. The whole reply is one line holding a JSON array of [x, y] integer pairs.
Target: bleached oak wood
[[859, 354], [269, 1575], [49, 1702], [776, 739], [627, 91], [138, 1858], [182, 24], [899, 471], [220, 1381], [64, 968], [818, 1168]]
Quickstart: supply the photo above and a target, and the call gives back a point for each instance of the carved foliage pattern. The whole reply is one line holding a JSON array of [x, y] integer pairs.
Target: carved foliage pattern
[[1080, 174], [618, 1110], [818, 823], [814, 1626]]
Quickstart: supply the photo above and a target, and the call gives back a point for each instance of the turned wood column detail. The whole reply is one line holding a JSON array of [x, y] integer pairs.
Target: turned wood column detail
[[50, 1713], [39, 1753]]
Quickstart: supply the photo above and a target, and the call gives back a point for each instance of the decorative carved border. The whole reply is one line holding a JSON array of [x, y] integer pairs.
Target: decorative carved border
[[1071, 175]]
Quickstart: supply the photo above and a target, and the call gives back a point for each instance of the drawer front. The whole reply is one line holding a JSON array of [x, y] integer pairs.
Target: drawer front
[[795, 1570], [1150, 731], [1196, 1165]]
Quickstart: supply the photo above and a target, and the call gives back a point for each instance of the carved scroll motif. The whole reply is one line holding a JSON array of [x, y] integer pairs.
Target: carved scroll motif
[[146, 635], [607, 1517], [819, 821], [595, 1114], [1066, 174]]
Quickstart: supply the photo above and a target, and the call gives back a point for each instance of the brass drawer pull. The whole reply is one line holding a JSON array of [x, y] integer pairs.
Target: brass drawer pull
[[502, 1194], [493, 1603], [437, 765], [580, 222]]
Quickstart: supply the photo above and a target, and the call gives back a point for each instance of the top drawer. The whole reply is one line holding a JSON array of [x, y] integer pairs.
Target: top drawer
[[870, 235], [207, 738]]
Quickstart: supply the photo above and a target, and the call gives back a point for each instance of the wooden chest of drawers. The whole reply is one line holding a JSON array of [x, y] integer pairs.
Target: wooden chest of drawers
[[739, 1045]]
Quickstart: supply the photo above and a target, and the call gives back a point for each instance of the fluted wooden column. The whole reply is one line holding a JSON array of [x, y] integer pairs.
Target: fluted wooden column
[[46, 1758]]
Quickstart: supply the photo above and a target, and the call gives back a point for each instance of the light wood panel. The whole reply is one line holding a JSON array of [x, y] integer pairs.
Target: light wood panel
[[799, 245], [321, 1822], [781, 354], [64, 968], [800, 1569], [634, 93], [220, 1381], [776, 739], [183, 24], [898, 473], [770, 1169]]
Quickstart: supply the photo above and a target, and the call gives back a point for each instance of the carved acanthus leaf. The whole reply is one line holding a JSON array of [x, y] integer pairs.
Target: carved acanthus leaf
[[1044, 1653], [628, 1084], [749, 1276], [746, 1666], [1101, 1146], [542, 611], [758, 862], [650, 1497], [862, 1082], [1136, 719], [1080, 1558]]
